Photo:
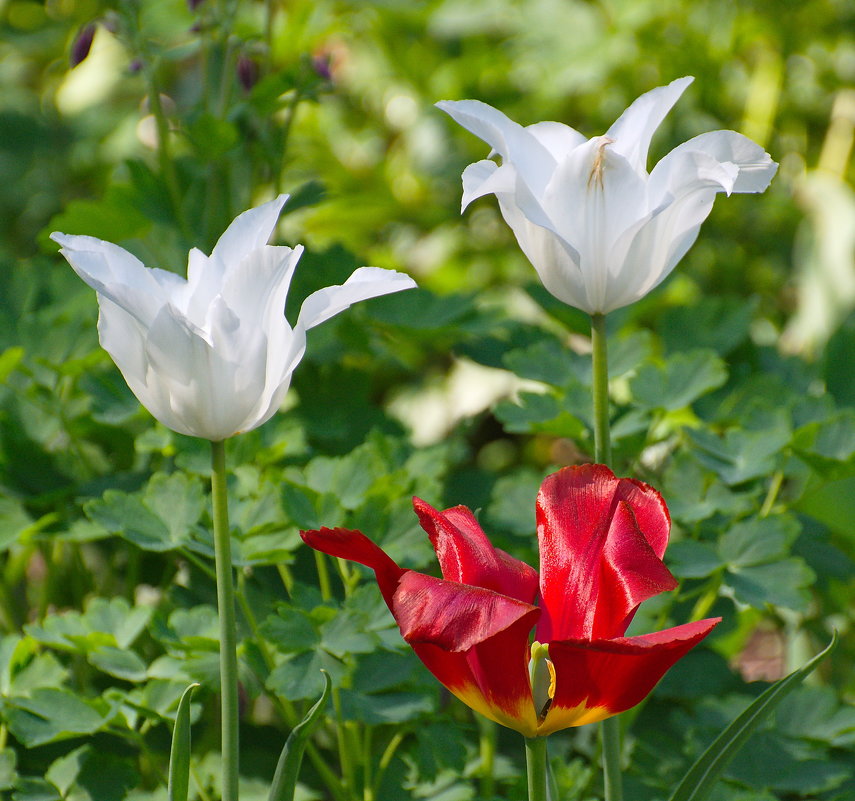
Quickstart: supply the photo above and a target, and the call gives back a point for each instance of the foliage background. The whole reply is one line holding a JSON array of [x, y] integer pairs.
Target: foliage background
[[732, 383]]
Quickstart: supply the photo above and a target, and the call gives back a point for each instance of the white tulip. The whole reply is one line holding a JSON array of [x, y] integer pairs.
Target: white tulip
[[212, 355], [600, 231]]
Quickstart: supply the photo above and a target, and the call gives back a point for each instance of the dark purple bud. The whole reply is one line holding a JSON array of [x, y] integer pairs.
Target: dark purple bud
[[82, 44], [322, 65], [194, 4], [135, 66], [247, 72]]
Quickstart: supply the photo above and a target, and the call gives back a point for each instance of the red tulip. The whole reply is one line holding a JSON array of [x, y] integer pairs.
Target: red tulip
[[601, 544]]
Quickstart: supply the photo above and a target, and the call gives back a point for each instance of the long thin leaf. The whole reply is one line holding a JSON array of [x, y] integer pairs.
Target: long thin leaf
[[703, 775], [179, 755], [285, 778]]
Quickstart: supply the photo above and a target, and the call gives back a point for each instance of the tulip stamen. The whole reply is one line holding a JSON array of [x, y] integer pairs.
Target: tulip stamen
[[542, 677], [596, 176]]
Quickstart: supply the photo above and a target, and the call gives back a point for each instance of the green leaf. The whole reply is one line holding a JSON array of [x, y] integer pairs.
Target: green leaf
[[703, 775], [679, 382], [35, 790], [288, 767], [212, 137], [741, 454], [785, 583], [719, 323], [179, 755], [8, 762], [51, 714], [758, 541], [118, 662], [690, 559]]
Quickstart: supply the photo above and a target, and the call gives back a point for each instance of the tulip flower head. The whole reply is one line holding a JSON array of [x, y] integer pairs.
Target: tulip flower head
[[212, 355], [600, 231], [601, 544]]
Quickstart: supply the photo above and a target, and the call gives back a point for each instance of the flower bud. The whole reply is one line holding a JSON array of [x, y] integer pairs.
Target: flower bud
[[82, 44], [247, 72]]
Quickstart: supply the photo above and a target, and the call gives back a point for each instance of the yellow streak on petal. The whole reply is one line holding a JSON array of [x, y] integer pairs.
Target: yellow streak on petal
[[566, 717], [520, 717]]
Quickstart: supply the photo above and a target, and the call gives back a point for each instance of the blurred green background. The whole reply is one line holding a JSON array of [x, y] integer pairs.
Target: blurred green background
[[732, 383]]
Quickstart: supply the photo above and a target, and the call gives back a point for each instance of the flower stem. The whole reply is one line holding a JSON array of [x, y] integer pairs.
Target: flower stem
[[600, 385], [228, 627], [610, 727], [487, 746], [535, 761]]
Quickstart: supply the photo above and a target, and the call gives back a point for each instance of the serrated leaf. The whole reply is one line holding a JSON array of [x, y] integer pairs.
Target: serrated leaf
[[300, 677], [701, 778], [384, 707], [783, 584], [122, 664], [758, 541], [683, 379], [49, 715], [690, 559]]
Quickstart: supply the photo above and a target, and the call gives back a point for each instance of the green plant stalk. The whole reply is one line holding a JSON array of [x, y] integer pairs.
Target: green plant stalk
[[610, 727], [487, 746], [228, 626], [535, 762]]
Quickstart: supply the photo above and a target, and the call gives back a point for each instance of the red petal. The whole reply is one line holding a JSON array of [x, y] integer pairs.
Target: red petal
[[595, 680], [601, 543], [474, 641], [468, 557], [354, 545]]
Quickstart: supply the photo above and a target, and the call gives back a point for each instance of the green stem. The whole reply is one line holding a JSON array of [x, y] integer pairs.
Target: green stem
[[323, 577], [610, 727], [228, 627], [610, 730], [600, 385], [487, 743], [535, 761]]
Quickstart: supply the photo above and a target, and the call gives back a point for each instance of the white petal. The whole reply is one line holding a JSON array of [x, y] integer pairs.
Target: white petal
[[116, 274], [555, 260], [248, 231], [364, 283], [533, 161], [594, 196], [484, 178], [209, 387], [557, 138], [634, 128], [756, 168], [662, 241]]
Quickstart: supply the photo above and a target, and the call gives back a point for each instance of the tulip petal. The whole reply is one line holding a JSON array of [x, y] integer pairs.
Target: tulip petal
[[484, 178], [594, 195], [212, 380], [509, 139], [118, 275], [634, 129], [756, 168], [601, 544], [595, 680], [354, 545], [248, 231], [364, 283], [466, 555], [559, 139], [474, 641], [461, 633]]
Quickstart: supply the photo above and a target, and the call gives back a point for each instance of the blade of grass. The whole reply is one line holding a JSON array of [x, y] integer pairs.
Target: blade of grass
[[703, 775], [179, 755], [288, 768]]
